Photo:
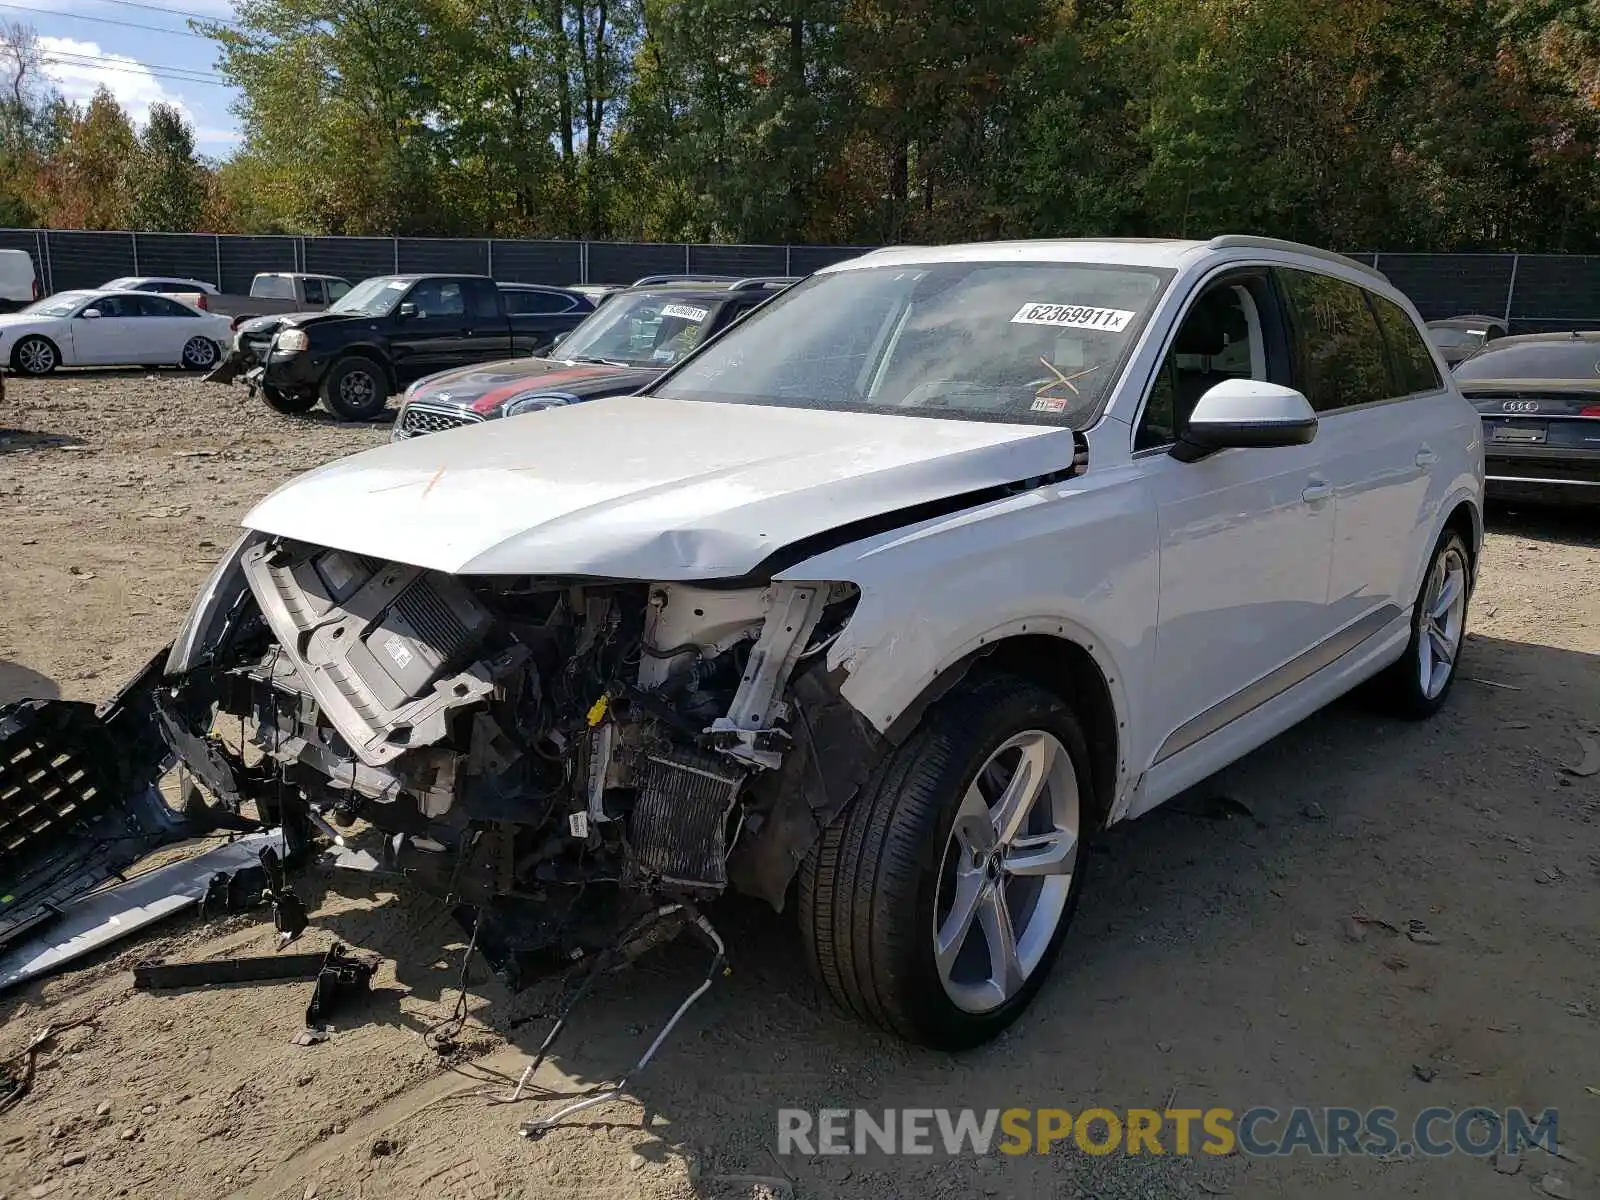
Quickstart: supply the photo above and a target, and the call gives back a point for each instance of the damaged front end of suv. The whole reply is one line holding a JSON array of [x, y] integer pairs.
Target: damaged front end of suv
[[559, 754]]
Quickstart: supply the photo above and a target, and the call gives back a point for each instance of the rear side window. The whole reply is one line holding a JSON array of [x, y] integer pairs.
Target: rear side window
[[1342, 357], [160, 306], [537, 303], [1410, 362]]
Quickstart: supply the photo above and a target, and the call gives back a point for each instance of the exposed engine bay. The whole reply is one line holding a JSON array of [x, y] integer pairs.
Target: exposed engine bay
[[560, 755]]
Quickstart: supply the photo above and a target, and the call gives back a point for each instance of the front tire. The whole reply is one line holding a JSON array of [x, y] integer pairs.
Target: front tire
[[35, 356], [936, 903], [1416, 686], [355, 389]]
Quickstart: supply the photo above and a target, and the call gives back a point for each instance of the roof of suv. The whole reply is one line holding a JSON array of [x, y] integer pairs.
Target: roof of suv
[[1134, 252]]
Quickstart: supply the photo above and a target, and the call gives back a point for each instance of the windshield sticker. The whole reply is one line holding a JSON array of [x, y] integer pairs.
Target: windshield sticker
[[1051, 404], [684, 312], [1073, 316]]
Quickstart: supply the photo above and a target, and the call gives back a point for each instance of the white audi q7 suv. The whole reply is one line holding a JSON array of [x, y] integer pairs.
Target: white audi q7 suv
[[880, 606]]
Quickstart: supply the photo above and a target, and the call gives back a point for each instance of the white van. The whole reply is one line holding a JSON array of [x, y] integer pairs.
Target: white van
[[19, 286]]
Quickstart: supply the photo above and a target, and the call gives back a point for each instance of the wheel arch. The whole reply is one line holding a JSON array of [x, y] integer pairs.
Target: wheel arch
[[1466, 518], [43, 337], [1065, 664]]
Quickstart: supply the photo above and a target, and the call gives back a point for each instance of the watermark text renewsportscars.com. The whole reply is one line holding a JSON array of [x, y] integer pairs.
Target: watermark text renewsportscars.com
[[1257, 1132]]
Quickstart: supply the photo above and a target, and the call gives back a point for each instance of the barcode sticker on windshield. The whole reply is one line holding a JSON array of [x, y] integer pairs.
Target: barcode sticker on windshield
[[1073, 316], [684, 312]]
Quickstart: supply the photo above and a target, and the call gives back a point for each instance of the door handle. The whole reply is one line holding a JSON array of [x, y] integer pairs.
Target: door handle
[[1425, 458], [1316, 491]]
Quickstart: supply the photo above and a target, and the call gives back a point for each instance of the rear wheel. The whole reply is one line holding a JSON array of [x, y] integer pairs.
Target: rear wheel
[[200, 354], [35, 356], [355, 389], [936, 903], [289, 402], [1415, 687]]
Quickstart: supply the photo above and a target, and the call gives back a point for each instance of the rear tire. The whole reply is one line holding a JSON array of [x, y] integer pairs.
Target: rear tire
[[200, 354], [35, 356], [355, 389], [1415, 687], [293, 403], [882, 893]]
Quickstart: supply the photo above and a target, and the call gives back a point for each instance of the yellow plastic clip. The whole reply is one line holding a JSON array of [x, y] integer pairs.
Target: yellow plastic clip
[[597, 712]]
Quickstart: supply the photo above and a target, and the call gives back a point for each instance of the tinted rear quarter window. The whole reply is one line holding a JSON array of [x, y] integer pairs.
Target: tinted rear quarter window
[[537, 303], [1409, 357], [1343, 361], [160, 306]]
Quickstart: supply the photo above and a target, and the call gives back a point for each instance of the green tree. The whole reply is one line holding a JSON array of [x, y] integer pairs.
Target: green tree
[[81, 183], [166, 184]]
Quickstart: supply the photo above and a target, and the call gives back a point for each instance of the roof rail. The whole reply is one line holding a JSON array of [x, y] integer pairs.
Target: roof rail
[[762, 281], [1251, 242], [648, 280]]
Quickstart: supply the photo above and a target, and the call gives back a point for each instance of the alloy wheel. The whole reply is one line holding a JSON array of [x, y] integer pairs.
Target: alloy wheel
[[36, 357], [356, 389], [199, 352], [1007, 871], [1443, 621]]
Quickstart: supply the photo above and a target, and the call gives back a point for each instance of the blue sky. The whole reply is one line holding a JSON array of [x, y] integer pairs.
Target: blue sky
[[143, 52]]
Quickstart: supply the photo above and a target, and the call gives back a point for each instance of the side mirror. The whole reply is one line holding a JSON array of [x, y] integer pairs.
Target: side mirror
[[408, 311], [557, 340], [1241, 414], [90, 312]]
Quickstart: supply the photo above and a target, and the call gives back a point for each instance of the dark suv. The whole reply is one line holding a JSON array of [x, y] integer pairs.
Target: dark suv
[[626, 343]]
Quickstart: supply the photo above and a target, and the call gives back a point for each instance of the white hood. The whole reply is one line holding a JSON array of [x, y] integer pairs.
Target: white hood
[[642, 487]]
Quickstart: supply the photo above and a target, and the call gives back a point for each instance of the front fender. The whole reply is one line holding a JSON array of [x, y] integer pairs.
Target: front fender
[[1074, 560]]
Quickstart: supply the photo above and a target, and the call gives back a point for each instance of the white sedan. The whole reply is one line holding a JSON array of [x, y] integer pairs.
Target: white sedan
[[111, 328]]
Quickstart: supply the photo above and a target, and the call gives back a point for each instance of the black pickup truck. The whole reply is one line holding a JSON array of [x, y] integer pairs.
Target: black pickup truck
[[386, 332]]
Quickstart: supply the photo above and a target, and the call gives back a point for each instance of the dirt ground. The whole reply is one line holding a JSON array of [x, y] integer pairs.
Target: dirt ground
[[1215, 960]]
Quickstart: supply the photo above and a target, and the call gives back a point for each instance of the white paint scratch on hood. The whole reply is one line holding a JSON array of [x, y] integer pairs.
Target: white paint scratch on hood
[[644, 488]]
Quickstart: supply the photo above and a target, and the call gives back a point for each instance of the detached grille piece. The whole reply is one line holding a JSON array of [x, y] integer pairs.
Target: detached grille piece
[[417, 420], [678, 830]]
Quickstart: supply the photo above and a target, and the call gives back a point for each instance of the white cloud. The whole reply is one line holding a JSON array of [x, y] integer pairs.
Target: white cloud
[[67, 62]]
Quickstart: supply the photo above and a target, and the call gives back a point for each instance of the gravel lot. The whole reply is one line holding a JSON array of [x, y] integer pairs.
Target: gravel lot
[[1215, 960]]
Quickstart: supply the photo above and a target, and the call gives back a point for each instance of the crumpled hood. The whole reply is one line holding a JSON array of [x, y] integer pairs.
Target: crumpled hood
[[485, 387], [644, 488]]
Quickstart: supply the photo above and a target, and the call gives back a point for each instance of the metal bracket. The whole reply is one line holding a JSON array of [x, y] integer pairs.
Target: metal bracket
[[745, 733]]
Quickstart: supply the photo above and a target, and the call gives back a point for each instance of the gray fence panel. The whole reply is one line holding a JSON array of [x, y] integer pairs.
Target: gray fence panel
[[84, 260], [1450, 285], [353, 258], [187, 255], [739, 260], [1558, 290], [243, 258], [462, 256], [624, 262], [805, 259], [559, 263]]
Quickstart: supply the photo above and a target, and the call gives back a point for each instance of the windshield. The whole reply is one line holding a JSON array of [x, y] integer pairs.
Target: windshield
[[1036, 343], [643, 330], [371, 297], [1578, 359], [120, 284], [60, 305]]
